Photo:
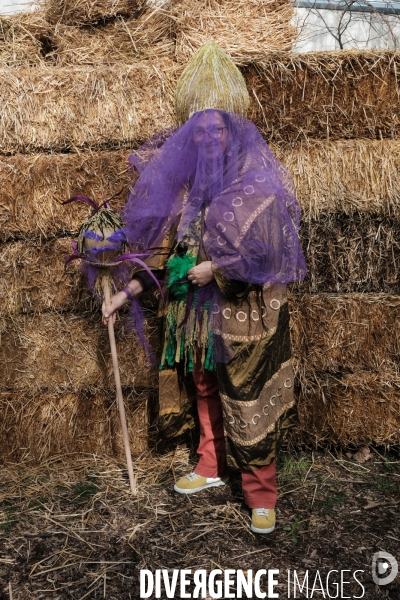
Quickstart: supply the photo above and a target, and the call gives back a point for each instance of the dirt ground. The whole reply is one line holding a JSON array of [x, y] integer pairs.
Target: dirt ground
[[70, 529]]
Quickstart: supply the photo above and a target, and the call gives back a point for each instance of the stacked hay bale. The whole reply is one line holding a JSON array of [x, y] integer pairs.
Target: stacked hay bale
[[65, 131], [83, 84], [87, 82], [335, 120]]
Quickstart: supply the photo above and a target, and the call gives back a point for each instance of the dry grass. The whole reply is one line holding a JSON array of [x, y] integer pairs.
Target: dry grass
[[33, 279], [62, 353], [70, 528], [350, 408], [33, 188], [20, 40], [346, 350], [351, 253], [344, 254], [123, 40], [326, 95], [293, 97], [246, 29], [82, 12], [347, 332], [34, 427], [85, 108], [29, 39], [83, 32], [344, 176]]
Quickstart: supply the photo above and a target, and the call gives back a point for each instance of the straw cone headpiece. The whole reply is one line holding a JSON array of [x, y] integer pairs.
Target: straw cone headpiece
[[210, 80]]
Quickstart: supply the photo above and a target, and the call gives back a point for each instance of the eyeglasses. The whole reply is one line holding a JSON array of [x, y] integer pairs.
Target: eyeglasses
[[214, 132]]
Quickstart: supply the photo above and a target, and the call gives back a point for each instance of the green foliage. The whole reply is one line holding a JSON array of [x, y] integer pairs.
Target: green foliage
[[84, 491], [294, 529], [293, 467]]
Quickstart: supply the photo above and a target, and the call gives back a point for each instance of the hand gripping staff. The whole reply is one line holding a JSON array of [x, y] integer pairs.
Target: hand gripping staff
[[99, 244]]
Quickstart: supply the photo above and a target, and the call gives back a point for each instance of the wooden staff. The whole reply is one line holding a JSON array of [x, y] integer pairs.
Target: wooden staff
[[121, 407]]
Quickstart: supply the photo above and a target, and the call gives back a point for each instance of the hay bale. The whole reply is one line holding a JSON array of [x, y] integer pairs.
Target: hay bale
[[122, 40], [102, 108], [351, 253], [82, 12], [344, 176], [20, 46], [321, 95], [343, 254], [61, 353], [346, 350], [358, 408], [345, 333], [326, 95], [33, 279], [246, 29], [33, 188], [36, 426]]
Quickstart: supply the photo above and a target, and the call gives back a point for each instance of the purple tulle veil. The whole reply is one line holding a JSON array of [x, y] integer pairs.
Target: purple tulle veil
[[252, 215]]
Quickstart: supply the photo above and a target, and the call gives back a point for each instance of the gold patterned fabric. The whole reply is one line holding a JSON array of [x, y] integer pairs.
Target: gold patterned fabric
[[256, 385], [177, 394], [256, 382]]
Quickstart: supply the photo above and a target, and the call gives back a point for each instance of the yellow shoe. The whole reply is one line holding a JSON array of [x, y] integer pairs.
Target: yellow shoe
[[190, 484], [262, 520]]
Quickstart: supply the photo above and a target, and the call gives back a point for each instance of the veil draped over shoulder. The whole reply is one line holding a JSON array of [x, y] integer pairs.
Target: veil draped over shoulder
[[251, 212]]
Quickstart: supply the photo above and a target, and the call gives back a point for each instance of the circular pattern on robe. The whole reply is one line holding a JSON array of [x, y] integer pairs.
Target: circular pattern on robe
[[242, 424], [270, 400], [275, 304], [237, 201], [242, 317], [260, 178], [266, 413], [254, 315], [255, 420], [216, 309], [248, 190], [221, 241], [288, 383], [230, 419], [221, 227], [229, 216], [278, 395], [227, 313]]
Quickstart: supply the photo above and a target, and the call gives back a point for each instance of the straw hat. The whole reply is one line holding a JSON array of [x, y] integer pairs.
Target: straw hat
[[210, 80]]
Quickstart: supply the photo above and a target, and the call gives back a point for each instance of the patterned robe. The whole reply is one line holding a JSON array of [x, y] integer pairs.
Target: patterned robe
[[256, 383]]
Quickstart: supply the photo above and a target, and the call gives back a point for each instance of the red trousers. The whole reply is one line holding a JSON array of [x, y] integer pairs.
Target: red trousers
[[259, 487]]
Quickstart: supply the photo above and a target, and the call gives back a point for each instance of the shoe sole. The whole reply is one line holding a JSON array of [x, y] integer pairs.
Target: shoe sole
[[199, 489], [258, 530]]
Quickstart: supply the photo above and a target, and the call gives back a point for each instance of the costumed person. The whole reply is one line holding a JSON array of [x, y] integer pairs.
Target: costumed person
[[217, 212]]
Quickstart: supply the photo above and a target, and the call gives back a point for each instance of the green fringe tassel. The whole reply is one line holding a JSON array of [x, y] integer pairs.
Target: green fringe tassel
[[181, 343]]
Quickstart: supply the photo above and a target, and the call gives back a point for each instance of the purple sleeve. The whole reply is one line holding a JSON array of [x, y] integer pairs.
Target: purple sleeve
[[146, 280]]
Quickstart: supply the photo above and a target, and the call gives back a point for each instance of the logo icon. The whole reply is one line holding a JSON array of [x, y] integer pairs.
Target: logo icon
[[384, 568]]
